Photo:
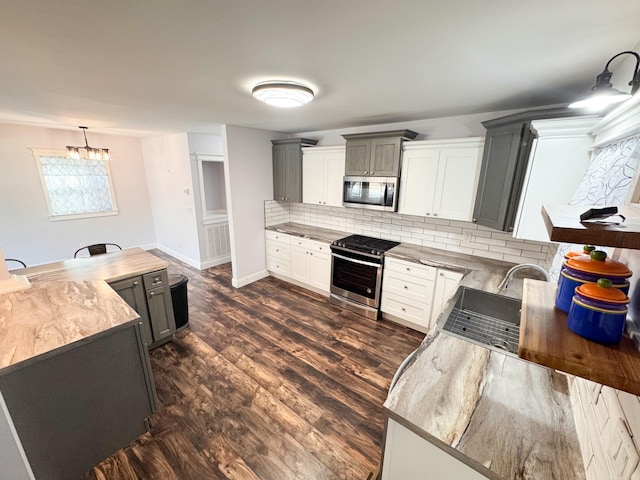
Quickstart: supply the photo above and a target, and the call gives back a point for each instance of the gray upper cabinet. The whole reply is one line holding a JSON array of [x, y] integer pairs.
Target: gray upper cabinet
[[506, 150], [507, 147], [375, 154], [287, 168]]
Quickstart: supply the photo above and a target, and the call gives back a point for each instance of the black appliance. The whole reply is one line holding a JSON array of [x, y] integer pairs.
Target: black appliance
[[356, 273]]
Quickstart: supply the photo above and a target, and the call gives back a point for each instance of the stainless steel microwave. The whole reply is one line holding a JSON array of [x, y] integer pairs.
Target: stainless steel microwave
[[377, 193]]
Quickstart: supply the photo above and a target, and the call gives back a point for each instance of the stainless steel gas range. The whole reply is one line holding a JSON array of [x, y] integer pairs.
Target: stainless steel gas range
[[356, 273]]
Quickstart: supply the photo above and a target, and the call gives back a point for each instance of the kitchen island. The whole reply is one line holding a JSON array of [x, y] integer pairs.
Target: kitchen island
[[75, 379]]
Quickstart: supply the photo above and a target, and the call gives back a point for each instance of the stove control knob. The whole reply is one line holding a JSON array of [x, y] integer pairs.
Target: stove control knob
[[373, 252], [369, 290], [379, 252]]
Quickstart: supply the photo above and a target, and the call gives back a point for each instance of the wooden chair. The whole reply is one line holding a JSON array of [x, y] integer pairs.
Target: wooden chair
[[97, 248], [24, 265]]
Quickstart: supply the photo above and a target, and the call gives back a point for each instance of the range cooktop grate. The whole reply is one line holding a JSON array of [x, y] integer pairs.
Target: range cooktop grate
[[484, 329]]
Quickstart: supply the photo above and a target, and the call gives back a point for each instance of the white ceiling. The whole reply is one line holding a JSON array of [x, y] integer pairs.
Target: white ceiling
[[189, 65]]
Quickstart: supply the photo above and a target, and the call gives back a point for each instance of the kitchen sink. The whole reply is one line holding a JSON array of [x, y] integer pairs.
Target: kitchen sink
[[484, 318]]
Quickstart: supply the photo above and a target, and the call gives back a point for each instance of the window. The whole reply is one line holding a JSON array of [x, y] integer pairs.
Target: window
[[75, 188]]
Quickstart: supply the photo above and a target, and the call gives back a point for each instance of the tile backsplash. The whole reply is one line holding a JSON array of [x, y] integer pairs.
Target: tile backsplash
[[451, 235]]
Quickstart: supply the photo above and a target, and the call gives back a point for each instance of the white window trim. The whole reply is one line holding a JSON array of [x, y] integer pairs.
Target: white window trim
[[44, 152]]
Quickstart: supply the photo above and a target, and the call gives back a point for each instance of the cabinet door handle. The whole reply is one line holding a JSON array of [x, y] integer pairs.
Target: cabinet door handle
[[372, 173], [435, 214], [282, 198], [408, 269], [428, 214], [474, 220], [404, 309], [151, 294], [406, 288], [441, 274], [311, 253], [135, 283], [365, 172]]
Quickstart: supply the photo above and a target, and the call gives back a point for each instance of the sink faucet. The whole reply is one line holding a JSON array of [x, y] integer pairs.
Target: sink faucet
[[507, 278]]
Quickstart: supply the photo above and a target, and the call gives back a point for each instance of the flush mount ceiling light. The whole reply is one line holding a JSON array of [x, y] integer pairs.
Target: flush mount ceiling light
[[603, 92], [90, 152], [282, 94]]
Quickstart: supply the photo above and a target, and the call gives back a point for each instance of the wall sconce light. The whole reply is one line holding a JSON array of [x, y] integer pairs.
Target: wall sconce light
[[282, 94], [603, 92], [91, 153]]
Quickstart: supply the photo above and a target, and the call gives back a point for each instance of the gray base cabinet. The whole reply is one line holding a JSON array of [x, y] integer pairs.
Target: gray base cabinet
[[150, 296], [132, 291], [75, 407]]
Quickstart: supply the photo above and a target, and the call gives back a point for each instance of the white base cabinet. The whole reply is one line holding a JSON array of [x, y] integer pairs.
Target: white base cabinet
[[408, 456], [322, 173], [311, 263], [300, 260], [414, 294], [440, 177], [279, 253]]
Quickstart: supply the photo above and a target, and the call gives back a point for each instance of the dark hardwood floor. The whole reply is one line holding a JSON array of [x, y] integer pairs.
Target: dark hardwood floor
[[269, 381]]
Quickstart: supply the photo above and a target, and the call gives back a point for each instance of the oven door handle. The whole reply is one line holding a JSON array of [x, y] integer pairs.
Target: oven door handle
[[355, 260]]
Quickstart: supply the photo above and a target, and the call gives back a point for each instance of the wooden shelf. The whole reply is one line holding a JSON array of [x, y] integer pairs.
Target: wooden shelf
[[545, 339], [563, 225]]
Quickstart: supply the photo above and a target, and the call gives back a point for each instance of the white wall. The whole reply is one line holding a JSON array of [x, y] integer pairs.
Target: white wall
[[248, 178], [171, 192], [204, 143], [460, 126], [25, 229]]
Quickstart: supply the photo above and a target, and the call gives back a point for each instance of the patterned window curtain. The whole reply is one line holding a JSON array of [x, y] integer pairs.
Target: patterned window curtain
[[606, 182], [76, 185]]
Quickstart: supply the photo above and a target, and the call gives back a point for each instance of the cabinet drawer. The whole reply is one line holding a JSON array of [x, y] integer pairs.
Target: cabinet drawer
[[279, 250], [155, 279], [299, 242], [408, 286], [277, 265], [320, 247], [407, 310], [278, 237], [410, 268]]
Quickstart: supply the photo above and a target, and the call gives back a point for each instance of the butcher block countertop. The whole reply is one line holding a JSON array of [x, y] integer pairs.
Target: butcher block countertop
[[546, 339]]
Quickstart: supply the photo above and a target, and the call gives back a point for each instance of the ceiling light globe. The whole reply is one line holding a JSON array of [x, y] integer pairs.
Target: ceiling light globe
[[282, 94]]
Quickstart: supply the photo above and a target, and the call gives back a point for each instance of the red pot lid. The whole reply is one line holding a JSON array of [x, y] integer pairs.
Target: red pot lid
[[603, 294], [593, 264]]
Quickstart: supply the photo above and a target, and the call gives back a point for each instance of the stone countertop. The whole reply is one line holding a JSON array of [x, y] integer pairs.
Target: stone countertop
[[53, 315], [306, 231], [108, 267], [68, 302]]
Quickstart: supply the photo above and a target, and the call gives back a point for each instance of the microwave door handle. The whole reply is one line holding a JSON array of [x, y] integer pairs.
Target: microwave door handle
[[384, 196]]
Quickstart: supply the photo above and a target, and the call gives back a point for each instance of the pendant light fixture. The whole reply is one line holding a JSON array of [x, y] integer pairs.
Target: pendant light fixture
[[91, 152], [282, 94], [603, 92]]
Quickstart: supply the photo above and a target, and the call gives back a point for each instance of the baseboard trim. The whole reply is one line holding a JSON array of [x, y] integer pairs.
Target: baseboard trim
[[215, 263], [254, 277], [179, 256]]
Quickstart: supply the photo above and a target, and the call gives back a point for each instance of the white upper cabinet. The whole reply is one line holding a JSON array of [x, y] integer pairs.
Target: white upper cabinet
[[322, 175], [439, 178], [558, 160]]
